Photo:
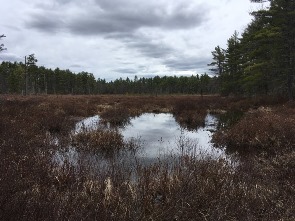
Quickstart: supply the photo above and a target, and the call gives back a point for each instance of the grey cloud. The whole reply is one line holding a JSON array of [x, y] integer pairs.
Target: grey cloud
[[107, 17], [64, 1], [136, 69], [46, 22], [146, 46], [10, 57], [141, 66], [130, 21], [125, 70], [152, 50], [96, 25], [126, 37], [187, 63], [126, 21], [76, 66]]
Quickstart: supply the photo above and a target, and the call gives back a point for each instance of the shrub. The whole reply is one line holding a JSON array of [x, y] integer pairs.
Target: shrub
[[258, 131], [116, 116], [189, 113], [100, 140]]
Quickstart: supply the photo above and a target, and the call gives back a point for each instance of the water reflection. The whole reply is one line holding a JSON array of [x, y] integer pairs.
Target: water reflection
[[229, 118], [162, 135], [160, 138], [88, 124]]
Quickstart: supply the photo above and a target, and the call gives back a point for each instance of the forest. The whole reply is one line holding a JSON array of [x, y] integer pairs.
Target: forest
[[41, 80], [259, 61]]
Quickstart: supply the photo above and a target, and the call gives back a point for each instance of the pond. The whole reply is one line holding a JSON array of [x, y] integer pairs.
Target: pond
[[160, 135]]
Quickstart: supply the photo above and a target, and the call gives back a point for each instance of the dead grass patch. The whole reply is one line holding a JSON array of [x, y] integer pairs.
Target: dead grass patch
[[261, 130], [33, 187]]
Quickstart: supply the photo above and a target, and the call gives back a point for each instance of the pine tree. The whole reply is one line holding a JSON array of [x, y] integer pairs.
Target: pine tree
[[258, 55], [232, 66], [281, 16], [218, 60]]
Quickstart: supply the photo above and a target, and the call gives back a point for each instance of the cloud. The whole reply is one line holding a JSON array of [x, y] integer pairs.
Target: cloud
[[107, 17], [139, 27], [45, 22], [142, 43], [187, 63], [76, 66], [6, 56], [152, 49], [126, 70]]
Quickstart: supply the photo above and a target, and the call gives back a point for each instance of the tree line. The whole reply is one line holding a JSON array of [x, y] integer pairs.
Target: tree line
[[262, 60], [28, 78]]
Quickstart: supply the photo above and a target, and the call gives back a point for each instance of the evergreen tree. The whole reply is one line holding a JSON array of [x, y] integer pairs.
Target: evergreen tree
[[218, 60], [232, 66], [258, 56], [31, 74], [280, 18], [15, 79]]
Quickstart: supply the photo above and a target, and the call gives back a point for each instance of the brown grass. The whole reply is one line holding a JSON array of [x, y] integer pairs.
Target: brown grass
[[261, 130], [116, 115], [34, 187], [100, 140], [189, 113]]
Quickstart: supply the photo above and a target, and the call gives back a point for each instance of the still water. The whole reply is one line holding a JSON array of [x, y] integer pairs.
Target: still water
[[160, 135]]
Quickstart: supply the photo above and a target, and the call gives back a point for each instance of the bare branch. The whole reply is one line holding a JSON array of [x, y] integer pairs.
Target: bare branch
[[2, 45]]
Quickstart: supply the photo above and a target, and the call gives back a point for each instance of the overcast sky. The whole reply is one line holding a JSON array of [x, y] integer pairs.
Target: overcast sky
[[121, 38]]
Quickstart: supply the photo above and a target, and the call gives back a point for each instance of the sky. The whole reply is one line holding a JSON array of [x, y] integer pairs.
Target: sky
[[121, 38]]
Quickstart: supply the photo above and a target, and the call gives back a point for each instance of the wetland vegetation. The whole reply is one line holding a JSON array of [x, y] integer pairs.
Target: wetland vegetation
[[256, 184]]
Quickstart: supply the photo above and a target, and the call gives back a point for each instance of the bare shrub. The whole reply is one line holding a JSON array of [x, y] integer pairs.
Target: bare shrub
[[260, 130], [190, 114], [100, 140], [116, 116]]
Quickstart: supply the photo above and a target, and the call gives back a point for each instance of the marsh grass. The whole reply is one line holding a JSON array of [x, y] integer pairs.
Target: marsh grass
[[190, 114], [34, 187], [116, 116], [261, 130], [101, 140]]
